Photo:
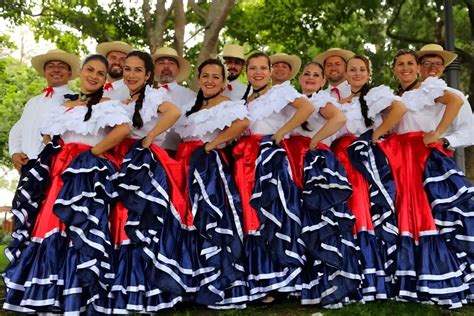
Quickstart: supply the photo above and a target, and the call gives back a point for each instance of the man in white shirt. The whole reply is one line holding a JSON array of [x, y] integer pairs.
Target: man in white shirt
[[171, 68], [433, 60], [284, 67], [25, 141], [234, 61], [116, 53], [334, 61]]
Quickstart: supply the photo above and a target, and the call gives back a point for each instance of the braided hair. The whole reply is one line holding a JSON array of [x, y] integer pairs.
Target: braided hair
[[149, 70], [364, 90], [200, 95], [96, 96]]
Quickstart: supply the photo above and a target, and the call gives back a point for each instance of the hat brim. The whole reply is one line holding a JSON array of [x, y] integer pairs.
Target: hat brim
[[73, 61], [105, 48], [292, 60], [234, 56], [343, 53], [184, 65], [448, 57]]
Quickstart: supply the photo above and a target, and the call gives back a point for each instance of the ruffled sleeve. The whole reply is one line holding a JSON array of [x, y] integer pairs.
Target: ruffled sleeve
[[104, 114], [425, 95], [208, 120], [320, 99], [378, 99], [153, 99], [273, 101]]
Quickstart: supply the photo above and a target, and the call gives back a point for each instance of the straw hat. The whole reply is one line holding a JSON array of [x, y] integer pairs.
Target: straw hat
[[72, 60], [435, 49], [184, 65], [234, 51], [292, 60], [116, 46], [343, 53]]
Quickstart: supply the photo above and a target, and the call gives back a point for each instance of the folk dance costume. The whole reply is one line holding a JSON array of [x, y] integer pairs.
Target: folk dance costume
[[214, 209], [372, 201], [332, 269], [270, 199], [434, 207], [116, 90], [67, 263], [136, 221]]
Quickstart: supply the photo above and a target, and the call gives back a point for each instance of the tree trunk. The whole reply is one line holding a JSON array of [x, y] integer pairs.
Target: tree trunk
[[179, 25]]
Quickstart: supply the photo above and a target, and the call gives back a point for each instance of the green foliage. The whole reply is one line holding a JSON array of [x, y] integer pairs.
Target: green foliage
[[18, 83]]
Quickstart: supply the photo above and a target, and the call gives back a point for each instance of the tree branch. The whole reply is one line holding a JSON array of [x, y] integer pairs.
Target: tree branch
[[203, 13]]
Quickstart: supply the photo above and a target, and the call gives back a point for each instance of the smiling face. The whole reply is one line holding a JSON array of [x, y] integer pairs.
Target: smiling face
[[57, 73], [116, 61], [312, 79], [431, 66], [211, 80], [334, 69], [93, 75], [234, 67], [406, 69], [135, 74], [258, 71], [281, 72], [357, 73]]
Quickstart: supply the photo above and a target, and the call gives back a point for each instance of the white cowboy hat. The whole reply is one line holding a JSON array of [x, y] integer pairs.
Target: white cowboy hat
[[116, 46], [292, 60], [72, 60], [435, 49], [343, 53], [234, 51], [184, 65]]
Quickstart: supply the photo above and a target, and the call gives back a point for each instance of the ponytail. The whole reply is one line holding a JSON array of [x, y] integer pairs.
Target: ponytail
[[247, 91], [363, 105], [137, 118], [197, 104], [94, 98]]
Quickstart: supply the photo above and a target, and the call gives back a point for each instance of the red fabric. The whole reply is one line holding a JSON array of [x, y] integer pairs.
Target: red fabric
[[164, 86], [245, 154], [359, 202], [117, 218], [336, 91], [46, 220], [229, 87], [296, 148], [49, 91], [407, 155], [108, 86]]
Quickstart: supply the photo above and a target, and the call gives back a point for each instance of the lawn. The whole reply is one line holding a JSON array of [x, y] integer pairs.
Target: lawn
[[292, 307]]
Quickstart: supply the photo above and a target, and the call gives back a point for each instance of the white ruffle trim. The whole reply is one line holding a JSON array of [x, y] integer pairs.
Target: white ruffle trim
[[378, 99], [320, 99], [104, 114], [429, 90], [209, 120], [153, 99], [273, 101]]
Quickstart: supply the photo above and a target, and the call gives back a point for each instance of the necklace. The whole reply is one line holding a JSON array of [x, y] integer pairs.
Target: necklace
[[401, 91], [356, 92], [83, 97], [256, 92], [205, 100]]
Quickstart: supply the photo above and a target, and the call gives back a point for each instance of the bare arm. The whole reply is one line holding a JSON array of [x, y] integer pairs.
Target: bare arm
[[335, 120], [395, 113], [231, 132], [46, 139], [453, 105], [303, 111], [170, 114], [115, 136]]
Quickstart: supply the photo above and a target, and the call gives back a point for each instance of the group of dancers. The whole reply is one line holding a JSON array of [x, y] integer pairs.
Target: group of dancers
[[334, 196]]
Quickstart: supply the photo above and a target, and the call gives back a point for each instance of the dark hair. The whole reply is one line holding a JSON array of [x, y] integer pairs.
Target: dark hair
[[200, 96], [253, 56], [401, 52], [149, 69], [364, 90], [96, 96], [429, 56]]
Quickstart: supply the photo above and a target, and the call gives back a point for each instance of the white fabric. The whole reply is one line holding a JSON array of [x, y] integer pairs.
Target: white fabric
[[206, 124], [119, 91], [344, 90], [238, 90], [183, 98], [316, 121], [377, 99], [461, 131], [270, 112], [69, 122], [149, 113], [423, 113], [25, 136]]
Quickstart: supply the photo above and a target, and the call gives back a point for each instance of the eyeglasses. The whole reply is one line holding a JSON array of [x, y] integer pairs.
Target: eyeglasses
[[428, 64]]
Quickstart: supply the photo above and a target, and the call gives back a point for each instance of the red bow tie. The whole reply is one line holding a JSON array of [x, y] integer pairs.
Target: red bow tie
[[335, 90], [229, 87], [49, 91], [108, 86], [164, 86]]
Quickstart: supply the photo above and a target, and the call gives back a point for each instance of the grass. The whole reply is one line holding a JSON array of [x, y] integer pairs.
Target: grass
[[292, 307]]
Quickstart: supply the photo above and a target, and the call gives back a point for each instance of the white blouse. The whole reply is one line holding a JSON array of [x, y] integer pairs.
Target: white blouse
[[206, 124], [270, 112], [69, 122]]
